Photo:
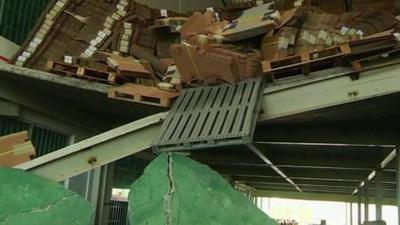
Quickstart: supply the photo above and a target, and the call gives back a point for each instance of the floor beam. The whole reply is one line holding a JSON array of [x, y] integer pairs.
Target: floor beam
[[97, 151]]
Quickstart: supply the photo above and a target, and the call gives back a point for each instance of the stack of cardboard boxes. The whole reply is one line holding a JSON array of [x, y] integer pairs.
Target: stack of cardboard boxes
[[122, 41]]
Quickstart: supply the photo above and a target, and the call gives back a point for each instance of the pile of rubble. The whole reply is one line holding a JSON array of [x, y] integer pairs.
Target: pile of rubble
[[154, 53]]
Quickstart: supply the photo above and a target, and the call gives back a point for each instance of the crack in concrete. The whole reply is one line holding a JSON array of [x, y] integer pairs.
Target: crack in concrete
[[38, 210], [168, 195]]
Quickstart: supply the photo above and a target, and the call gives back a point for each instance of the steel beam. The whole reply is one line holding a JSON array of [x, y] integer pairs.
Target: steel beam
[[312, 196], [285, 155], [97, 151], [293, 173], [398, 182], [275, 168], [299, 97], [379, 194], [8, 108], [329, 134], [48, 77], [26, 96], [381, 166]]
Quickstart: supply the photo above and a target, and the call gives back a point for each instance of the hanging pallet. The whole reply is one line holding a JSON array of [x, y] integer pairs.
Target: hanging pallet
[[143, 94], [212, 116], [304, 63]]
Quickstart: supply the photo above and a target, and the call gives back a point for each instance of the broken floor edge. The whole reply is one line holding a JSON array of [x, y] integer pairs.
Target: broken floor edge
[[53, 78]]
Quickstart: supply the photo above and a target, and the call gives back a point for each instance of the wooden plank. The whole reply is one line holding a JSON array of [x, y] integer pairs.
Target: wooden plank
[[15, 149]]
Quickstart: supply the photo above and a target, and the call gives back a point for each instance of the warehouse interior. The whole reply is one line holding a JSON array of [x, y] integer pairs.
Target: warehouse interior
[[153, 112]]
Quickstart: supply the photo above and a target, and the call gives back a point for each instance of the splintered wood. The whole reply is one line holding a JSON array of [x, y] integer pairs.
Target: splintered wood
[[15, 149]]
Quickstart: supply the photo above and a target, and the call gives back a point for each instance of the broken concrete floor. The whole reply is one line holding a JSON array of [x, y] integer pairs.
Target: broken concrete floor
[[178, 190], [27, 199]]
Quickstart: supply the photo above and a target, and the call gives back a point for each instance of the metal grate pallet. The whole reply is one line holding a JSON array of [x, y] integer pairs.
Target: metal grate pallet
[[207, 117]]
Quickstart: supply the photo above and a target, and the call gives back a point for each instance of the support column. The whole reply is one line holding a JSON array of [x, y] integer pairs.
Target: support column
[[379, 195], [351, 213], [398, 181], [359, 206], [105, 194], [366, 202]]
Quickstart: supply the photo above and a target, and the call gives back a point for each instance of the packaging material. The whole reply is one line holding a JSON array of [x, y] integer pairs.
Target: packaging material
[[130, 67], [255, 21], [215, 63]]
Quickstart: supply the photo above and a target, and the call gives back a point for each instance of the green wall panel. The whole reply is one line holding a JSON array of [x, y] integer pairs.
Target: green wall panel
[[17, 17], [45, 141]]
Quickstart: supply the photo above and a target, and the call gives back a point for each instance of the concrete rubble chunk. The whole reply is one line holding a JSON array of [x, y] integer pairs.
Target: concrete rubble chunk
[[175, 189], [27, 199]]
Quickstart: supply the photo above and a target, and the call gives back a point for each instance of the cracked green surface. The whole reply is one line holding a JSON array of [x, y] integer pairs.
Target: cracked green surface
[[198, 195], [27, 199]]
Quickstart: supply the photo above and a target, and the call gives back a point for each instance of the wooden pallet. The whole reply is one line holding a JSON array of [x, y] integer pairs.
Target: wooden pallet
[[143, 94], [305, 62], [81, 72], [97, 75], [62, 68]]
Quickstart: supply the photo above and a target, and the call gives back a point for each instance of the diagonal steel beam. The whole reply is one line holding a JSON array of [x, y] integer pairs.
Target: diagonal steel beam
[[392, 155], [275, 168], [97, 151]]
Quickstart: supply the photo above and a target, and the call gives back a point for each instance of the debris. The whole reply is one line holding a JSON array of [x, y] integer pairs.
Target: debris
[[143, 94], [27, 197], [128, 42], [175, 189], [15, 149], [253, 22]]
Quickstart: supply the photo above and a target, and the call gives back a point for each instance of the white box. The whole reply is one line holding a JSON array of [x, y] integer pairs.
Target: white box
[[124, 49], [124, 43], [19, 63], [37, 40], [68, 59], [106, 31], [93, 43], [127, 25], [115, 16], [125, 37], [60, 4], [99, 39], [33, 45], [120, 7], [123, 3], [26, 54], [109, 20], [121, 12], [164, 12]]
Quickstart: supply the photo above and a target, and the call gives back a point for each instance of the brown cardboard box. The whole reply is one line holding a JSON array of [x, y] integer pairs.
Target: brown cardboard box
[[197, 24], [203, 66]]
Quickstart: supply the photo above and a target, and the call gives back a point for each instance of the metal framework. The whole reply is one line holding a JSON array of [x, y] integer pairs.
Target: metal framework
[[97, 151], [328, 161]]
